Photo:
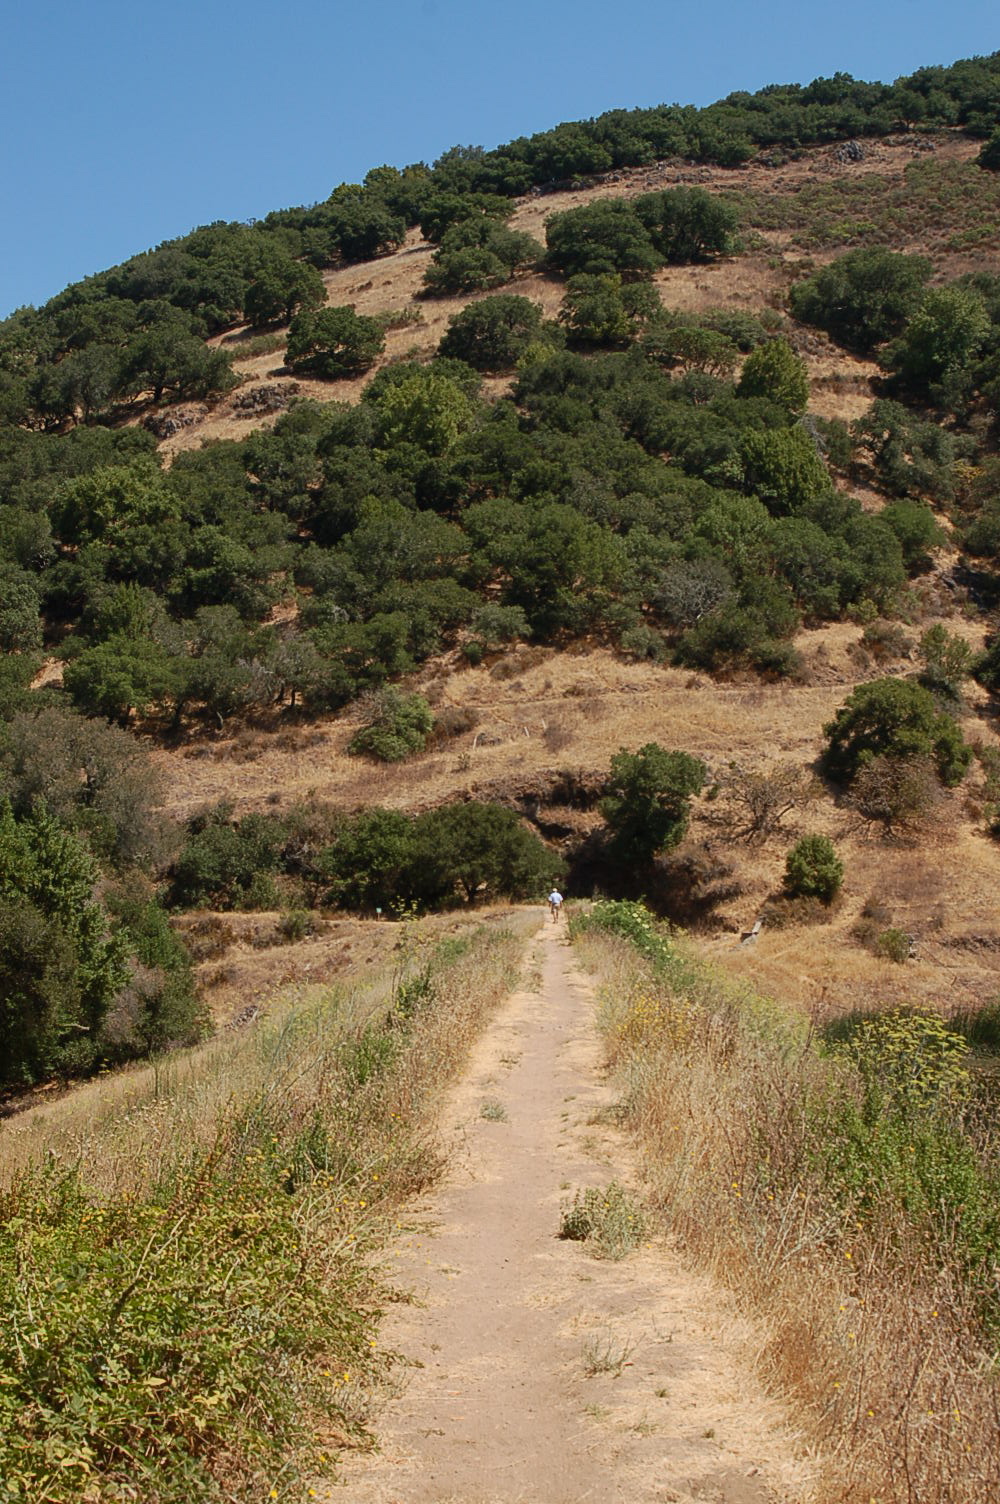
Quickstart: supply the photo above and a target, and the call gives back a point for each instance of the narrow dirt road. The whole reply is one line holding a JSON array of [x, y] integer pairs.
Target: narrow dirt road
[[543, 1375]]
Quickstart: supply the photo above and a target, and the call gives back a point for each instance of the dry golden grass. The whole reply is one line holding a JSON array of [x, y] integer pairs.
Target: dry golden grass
[[873, 1339], [123, 1127]]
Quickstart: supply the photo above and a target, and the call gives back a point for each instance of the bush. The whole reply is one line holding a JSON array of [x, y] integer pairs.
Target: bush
[[334, 343], [893, 945], [226, 864], [687, 224], [493, 333], [648, 803], [385, 859], [863, 298], [397, 726], [608, 1218], [813, 869], [60, 965], [607, 236], [478, 254], [774, 371], [898, 719]]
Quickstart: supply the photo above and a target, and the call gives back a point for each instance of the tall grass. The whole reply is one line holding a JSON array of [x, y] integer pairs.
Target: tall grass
[[848, 1194], [190, 1288]]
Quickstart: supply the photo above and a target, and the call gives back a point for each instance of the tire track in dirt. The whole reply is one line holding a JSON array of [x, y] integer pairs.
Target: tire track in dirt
[[508, 1323]]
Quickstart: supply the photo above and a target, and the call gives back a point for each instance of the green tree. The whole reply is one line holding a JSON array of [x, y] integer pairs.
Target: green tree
[[813, 869], [941, 339], [782, 467], [440, 211], [281, 290], [606, 236], [648, 803], [121, 675], [918, 531], [558, 566], [427, 410], [20, 623], [482, 849], [478, 254], [688, 224], [775, 371], [334, 343], [370, 864], [493, 333], [897, 719], [863, 298], [60, 967], [113, 497], [948, 660], [228, 864], [604, 311]]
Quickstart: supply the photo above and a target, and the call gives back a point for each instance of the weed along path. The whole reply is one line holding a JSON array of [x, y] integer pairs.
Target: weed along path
[[540, 1373]]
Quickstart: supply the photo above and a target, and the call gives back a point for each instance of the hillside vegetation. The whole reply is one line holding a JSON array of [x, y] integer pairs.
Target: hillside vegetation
[[617, 508]]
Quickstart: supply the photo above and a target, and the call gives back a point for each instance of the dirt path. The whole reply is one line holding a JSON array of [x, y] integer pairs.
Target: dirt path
[[516, 1335]]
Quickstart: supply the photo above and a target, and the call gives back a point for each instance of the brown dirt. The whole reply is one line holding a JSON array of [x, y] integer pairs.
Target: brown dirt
[[507, 1323]]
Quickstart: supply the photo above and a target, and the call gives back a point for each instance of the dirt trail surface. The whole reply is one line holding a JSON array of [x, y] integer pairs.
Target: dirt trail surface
[[508, 1323]]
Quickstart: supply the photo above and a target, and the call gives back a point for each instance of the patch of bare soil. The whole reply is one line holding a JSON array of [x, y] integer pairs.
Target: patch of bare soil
[[538, 1373]]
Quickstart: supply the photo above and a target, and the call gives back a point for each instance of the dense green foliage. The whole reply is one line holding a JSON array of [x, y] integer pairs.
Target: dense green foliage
[[648, 803], [385, 859], [894, 718], [81, 980], [396, 726], [862, 298]]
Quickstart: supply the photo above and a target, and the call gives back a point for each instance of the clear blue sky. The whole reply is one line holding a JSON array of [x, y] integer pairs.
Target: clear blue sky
[[126, 124]]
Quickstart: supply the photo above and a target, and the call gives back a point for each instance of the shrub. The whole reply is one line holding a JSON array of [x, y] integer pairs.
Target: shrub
[[60, 965], [607, 236], [493, 333], [763, 797], [774, 371], [648, 803], [396, 727], [898, 719], [227, 864], [609, 1219], [948, 659], [917, 530], [334, 343], [688, 224], [893, 945], [813, 869], [863, 298]]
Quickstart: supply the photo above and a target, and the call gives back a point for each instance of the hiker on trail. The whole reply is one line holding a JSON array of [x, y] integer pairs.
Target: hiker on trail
[[555, 903]]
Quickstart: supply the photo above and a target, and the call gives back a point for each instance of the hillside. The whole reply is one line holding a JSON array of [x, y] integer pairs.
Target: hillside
[[616, 509], [839, 383]]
